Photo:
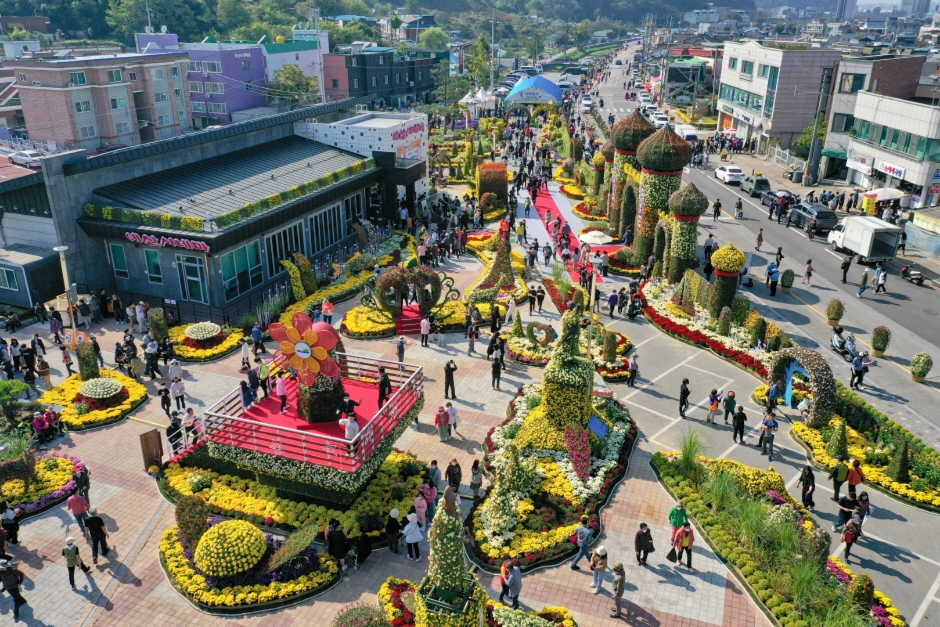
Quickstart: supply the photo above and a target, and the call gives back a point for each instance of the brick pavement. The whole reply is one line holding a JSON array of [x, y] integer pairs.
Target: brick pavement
[[130, 589]]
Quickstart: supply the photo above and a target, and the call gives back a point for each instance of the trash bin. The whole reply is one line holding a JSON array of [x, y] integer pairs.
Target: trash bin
[[807, 180]]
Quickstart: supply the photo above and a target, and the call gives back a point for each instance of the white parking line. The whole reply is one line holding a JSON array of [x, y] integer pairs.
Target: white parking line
[[919, 614]]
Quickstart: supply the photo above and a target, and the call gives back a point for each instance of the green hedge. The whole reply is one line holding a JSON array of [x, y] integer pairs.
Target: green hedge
[[145, 218]]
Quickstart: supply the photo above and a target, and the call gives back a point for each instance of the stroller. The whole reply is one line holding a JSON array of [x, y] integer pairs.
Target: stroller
[[359, 552]]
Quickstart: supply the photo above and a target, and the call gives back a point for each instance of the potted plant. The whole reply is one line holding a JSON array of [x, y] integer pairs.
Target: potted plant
[[786, 281], [834, 311], [921, 363], [880, 338]]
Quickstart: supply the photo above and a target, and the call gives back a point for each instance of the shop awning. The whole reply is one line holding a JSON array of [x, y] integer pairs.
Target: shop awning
[[835, 154]]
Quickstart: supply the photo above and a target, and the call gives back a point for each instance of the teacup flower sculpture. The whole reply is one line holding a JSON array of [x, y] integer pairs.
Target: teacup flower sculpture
[[305, 347]]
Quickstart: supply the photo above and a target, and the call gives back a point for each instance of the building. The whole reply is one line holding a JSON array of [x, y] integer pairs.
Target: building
[[411, 27], [16, 49], [845, 10], [346, 20], [388, 77], [681, 74], [769, 92], [199, 224], [83, 102], [917, 8], [701, 15], [893, 75], [31, 24]]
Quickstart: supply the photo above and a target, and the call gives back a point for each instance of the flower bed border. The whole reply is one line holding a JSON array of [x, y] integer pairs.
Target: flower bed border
[[578, 210], [217, 357], [69, 487], [104, 423], [567, 194]]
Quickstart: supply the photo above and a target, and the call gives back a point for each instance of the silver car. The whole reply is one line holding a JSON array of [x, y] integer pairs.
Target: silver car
[[29, 158]]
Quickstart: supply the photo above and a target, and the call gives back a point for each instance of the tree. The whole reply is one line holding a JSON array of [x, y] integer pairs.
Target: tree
[[19, 34], [581, 34], [231, 14], [478, 60], [256, 30], [395, 23], [434, 38], [291, 85], [804, 142], [534, 47], [448, 89], [187, 17], [412, 7]]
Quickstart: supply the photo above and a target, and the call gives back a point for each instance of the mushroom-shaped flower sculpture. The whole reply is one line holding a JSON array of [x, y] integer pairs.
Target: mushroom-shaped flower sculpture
[[305, 347]]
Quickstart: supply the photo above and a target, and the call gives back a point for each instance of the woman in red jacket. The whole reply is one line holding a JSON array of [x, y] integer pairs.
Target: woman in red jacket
[[856, 476], [684, 540]]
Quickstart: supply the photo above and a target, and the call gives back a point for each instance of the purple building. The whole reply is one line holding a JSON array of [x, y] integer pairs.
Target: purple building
[[223, 78]]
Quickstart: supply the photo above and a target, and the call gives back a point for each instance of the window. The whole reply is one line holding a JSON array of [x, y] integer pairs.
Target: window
[[248, 86], [336, 83], [122, 127], [119, 261], [163, 120], [8, 280], [118, 103], [133, 76], [180, 114], [114, 76], [244, 65], [194, 87], [175, 71], [842, 122], [747, 67], [326, 229], [420, 75], [83, 106], [215, 88], [77, 78], [763, 70], [851, 83], [194, 285], [374, 81], [741, 98], [281, 244], [198, 106], [154, 272], [216, 107], [87, 132], [241, 270], [212, 66], [397, 78], [386, 79], [355, 83], [158, 74], [355, 62], [863, 129], [732, 63], [21, 78], [381, 60], [159, 96], [178, 92], [193, 66]]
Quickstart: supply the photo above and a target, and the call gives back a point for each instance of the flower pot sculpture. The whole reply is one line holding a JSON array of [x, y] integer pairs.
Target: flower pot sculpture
[[728, 261], [310, 349], [662, 155], [687, 205], [626, 136], [597, 162]]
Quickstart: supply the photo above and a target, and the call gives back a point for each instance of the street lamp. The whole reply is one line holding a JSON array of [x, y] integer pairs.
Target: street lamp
[[68, 289]]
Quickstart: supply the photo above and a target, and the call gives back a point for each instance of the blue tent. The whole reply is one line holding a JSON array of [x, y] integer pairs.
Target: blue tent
[[535, 90]]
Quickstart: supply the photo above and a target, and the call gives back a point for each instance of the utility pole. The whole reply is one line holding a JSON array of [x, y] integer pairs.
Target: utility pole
[[492, 50], [815, 147]]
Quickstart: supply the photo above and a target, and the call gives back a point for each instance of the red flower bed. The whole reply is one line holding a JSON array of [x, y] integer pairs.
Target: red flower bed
[[94, 404], [204, 344], [555, 295]]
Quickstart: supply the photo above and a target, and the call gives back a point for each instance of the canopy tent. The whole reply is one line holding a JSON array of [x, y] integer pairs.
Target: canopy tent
[[535, 90]]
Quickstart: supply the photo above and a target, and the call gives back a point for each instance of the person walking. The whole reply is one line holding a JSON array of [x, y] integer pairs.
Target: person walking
[[8, 522], [514, 583], [769, 430], [12, 579], [760, 239], [67, 360], [584, 535], [863, 284], [808, 272], [473, 334], [850, 536], [476, 479], [882, 282], [496, 369], [634, 369], [393, 532], [684, 393], [774, 278], [440, 423], [617, 589], [504, 570], [540, 297], [847, 506], [678, 516], [453, 474], [845, 266], [856, 476], [839, 474], [44, 370], [729, 405], [73, 560], [425, 330], [82, 481], [99, 535], [737, 425], [79, 508], [449, 369], [385, 386], [714, 403], [643, 544], [400, 349], [716, 210], [598, 568], [807, 482], [178, 392], [684, 539], [280, 388]]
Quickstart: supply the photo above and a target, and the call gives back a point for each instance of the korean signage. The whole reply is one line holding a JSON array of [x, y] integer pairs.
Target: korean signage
[[405, 132], [859, 162], [744, 117], [161, 241], [934, 189], [892, 170], [936, 174]]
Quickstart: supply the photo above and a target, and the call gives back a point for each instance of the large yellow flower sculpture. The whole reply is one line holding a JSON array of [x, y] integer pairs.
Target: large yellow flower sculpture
[[305, 347]]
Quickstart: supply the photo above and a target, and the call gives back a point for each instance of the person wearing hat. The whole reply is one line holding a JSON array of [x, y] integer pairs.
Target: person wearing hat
[[514, 583], [73, 559], [412, 532], [393, 531], [618, 586], [838, 475], [729, 404], [12, 579], [99, 534], [174, 370], [599, 567]]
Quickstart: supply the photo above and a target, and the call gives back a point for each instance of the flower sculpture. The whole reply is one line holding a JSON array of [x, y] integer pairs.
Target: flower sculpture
[[304, 347]]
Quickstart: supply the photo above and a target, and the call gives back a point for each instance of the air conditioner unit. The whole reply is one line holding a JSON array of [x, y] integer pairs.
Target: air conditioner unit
[[71, 84], [411, 83]]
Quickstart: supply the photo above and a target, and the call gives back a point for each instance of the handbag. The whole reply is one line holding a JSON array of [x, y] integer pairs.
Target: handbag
[[671, 555], [652, 548]]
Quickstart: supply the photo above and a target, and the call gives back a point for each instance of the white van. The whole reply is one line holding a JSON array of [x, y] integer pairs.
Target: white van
[[687, 132]]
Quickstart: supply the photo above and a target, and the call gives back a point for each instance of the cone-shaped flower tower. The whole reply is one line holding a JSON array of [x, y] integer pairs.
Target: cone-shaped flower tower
[[662, 156], [687, 205], [625, 136]]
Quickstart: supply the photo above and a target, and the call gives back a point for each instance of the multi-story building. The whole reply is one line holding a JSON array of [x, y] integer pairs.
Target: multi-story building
[[917, 8], [411, 27], [700, 16], [771, 92], [892, 75], [84, 102], [845, 10], [390, 78]]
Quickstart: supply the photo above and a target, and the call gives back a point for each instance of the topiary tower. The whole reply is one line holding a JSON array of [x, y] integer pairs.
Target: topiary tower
[[687, 205], [900, 467], [500, 273], [759, 331], [607, 152], [728, 261], [839, 444], [158, 325], [724, 322], [662, 156], [625, 137], [87, 362]]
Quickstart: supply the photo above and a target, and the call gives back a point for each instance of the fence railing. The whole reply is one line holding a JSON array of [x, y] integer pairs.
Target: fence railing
[[223, 423], [785, 160]]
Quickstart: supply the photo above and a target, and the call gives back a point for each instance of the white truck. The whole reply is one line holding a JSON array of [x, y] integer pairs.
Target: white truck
[[868, 239]]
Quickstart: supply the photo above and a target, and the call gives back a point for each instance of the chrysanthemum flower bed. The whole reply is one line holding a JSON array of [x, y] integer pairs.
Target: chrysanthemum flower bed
[[204, 341], [83, 411], [52, 483], [573, 192]]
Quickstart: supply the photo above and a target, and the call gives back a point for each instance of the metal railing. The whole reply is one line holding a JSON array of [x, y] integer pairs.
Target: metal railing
[[785, 160], [223, 423]]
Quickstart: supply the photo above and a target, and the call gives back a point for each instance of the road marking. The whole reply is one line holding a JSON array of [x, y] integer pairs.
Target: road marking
[[833, 253], [643, 386], [709, 372], [919, 614], [675, 420], [792, 482], [649, 339], [147, 422]]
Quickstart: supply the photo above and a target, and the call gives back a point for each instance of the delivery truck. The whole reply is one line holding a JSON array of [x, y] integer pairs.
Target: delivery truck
[[867, 239]]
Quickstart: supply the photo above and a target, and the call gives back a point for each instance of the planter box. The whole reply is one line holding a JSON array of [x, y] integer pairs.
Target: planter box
[[832, 323], [875, 353], [914, 377]]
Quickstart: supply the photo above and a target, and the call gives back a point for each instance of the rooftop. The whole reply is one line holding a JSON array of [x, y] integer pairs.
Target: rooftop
[[374, 120], [95, 58], [219, 185], [22, 255]]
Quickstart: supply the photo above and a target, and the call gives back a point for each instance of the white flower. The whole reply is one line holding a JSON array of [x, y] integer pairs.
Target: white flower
[[100, 388], [203, 330]]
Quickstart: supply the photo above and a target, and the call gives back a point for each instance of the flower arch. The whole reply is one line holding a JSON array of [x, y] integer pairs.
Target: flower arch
[[661, 243], [390, 284], [789, 361]]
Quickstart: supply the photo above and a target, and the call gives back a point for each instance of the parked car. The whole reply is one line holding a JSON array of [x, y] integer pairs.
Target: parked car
[[660, 120], [729, 174], [803, 213], [29, 158], [618, 62], [770, 197], [755, 185]]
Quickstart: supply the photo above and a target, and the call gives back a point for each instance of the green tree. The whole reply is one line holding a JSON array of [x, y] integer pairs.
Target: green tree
[[478, 60], [187, 17], [19, 34], [291, 85], [534, 47], [256, 30], [434, 38], [804, 142], [448, 89], [395, 23], [10, 392], [412, 7], [231, 14], [581, 34]]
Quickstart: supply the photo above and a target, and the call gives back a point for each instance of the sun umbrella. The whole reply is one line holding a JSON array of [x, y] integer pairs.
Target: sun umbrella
[[886, 193], [595, 237]]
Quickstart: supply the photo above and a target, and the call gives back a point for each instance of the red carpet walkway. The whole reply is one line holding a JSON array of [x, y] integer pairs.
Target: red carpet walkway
[[409, 323], [545, 203]]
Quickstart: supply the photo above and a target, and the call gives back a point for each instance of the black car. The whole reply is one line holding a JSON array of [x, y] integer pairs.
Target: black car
[[803, 213], [770, 197]]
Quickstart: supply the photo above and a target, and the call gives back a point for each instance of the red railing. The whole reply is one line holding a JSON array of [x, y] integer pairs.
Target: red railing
[[223, 424]]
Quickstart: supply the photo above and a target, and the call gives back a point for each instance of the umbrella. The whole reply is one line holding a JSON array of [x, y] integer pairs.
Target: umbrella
[[730, 131], [595, 237], [886, 193]]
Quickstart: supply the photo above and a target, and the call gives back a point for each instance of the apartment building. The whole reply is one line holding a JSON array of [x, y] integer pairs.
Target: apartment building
[[771, 92], [84, 102], [387, 76]]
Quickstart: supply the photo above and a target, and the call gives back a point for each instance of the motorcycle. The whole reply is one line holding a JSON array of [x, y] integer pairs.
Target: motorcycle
[[788, 175], [913, 276], [845, 346]]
